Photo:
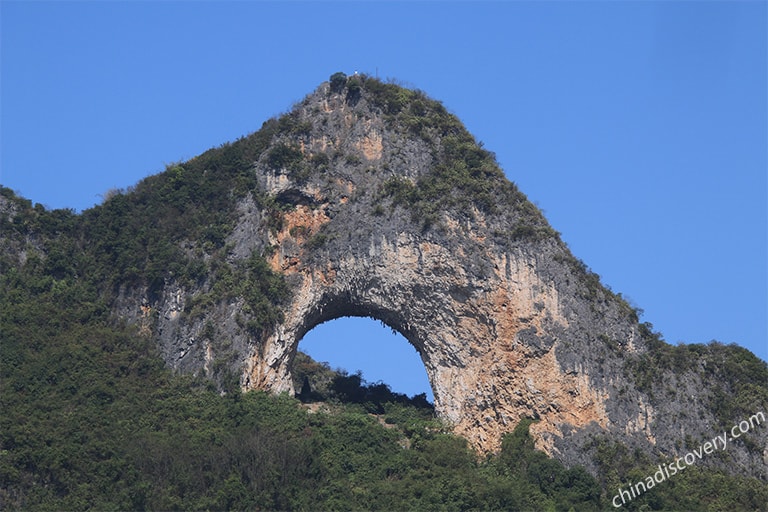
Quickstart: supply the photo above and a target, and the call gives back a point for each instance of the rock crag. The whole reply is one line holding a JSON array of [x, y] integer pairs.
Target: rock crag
[[383, 206]]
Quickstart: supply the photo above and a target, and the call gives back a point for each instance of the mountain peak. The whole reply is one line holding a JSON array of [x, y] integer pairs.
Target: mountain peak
[[371, 199], [395, 142]]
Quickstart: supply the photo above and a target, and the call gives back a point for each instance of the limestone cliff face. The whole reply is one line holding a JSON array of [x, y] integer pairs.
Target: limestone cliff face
[[507, 322]]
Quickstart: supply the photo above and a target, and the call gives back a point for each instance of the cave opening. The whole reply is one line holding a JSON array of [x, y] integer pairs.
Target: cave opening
[[365, 348]]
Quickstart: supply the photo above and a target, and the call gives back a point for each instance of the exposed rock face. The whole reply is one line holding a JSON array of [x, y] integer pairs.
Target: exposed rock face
[[507, 322]]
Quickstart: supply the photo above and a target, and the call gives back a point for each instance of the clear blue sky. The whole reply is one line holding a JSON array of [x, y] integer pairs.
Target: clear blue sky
[[639, 128]]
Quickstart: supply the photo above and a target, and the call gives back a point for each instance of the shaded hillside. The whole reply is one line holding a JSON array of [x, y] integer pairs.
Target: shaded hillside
[[93, 421]]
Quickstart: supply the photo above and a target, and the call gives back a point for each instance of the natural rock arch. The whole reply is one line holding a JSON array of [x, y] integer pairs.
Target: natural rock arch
[[487, 293], [483, 289], [484, 338], [380, 204], [394, 286]]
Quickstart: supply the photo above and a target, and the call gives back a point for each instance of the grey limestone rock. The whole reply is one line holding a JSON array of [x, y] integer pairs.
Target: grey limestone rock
[[393, 212]]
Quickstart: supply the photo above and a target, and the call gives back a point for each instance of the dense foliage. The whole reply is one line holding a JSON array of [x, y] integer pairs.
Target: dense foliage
[[464, 175], [92, 420], [736, 376]]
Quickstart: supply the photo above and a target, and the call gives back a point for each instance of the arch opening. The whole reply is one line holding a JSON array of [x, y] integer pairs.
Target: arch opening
[[366, 347]]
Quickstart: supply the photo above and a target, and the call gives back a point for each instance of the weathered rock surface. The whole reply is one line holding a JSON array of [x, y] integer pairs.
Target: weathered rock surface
[[507, 322]]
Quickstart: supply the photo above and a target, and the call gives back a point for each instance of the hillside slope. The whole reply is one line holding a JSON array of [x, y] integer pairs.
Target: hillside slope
[[371, 199]]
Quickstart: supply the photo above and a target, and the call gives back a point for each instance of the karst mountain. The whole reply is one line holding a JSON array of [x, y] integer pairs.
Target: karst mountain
[[370, 199]]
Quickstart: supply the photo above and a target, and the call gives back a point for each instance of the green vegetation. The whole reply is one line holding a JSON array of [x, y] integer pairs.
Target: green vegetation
[[291, 159], [92, 419], [695, 488], [464, 176], [737, 377], [338, 81]]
